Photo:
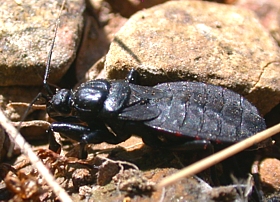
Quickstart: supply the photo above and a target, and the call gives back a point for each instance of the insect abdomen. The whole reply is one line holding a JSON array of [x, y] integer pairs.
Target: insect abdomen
[[205, 111]]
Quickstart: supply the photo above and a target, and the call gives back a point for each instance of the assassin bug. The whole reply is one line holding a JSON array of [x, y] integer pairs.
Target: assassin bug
[[169, 115], [175, 115]]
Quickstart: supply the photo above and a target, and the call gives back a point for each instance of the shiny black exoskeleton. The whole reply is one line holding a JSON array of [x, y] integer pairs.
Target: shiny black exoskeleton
[[175, 115]]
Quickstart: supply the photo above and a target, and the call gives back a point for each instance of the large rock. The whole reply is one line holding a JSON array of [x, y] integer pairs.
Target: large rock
[[202, 41], [27, 29]]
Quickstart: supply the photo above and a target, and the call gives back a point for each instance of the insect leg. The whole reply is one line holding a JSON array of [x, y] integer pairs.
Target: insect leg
[[72, 131], [133, 77], [83, 134]]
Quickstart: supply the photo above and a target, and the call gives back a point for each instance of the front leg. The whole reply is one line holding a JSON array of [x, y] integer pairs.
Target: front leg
[[82, 134]]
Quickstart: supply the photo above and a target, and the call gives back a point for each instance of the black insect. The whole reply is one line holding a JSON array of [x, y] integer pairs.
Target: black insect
[[176, 115]]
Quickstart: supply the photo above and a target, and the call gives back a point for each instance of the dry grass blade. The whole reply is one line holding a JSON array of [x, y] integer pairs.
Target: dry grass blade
[[219, 156], [35, 161]]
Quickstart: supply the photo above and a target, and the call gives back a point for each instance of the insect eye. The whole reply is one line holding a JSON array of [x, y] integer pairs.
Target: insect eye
[[61, 102]]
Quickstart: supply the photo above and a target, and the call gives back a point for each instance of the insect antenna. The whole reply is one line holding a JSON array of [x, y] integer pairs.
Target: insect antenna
[[47, 70], [46, 86]]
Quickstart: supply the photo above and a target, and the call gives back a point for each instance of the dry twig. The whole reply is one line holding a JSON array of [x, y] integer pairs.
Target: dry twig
[[35, 161], [219, 156]]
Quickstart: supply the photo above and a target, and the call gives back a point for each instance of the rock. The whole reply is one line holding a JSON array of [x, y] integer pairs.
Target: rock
[[268, 13], [96, 42], [128, 8], [199, 41], [82, 176], [95, 72], [269, 171], [27, 30]]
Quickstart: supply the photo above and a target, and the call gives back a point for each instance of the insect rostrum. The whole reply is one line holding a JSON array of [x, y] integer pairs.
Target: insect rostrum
[[171, 115]]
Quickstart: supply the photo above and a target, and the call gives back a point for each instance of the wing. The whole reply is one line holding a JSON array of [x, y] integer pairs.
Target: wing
[[145, 93], [140, 112], [141, 105]]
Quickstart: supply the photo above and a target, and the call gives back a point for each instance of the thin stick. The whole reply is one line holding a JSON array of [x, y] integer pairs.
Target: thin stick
[[218, 157], [35, 161]]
